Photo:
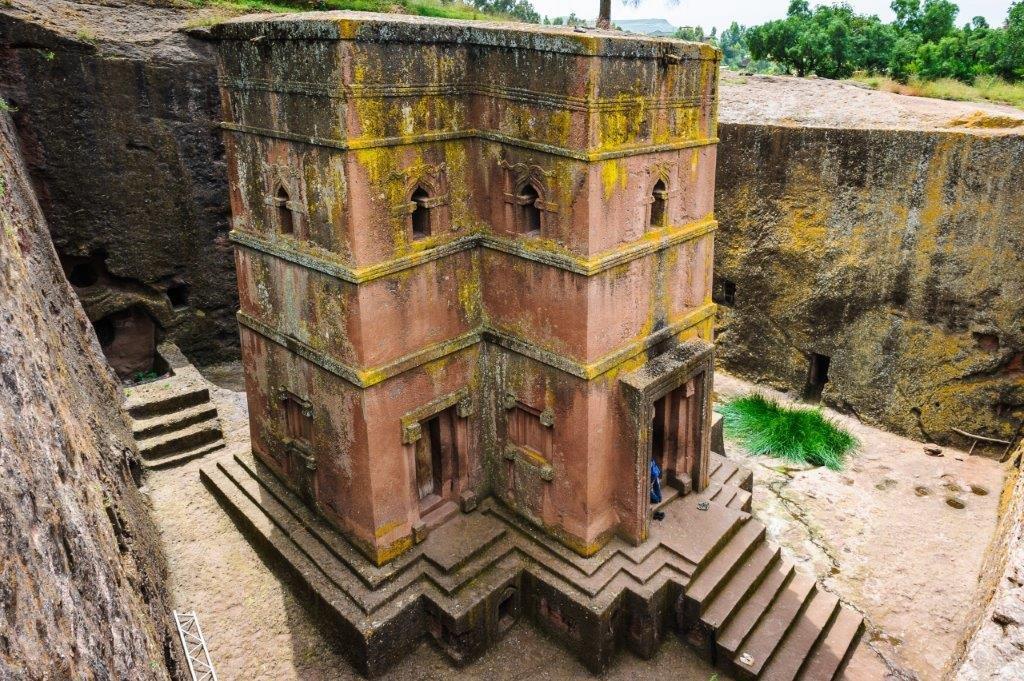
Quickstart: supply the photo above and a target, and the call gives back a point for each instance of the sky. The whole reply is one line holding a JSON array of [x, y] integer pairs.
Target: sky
[[721, 13]]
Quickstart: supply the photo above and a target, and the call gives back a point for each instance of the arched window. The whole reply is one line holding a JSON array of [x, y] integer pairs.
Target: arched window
[[659, 196], [285, 219], [529, 211], [420, 217]]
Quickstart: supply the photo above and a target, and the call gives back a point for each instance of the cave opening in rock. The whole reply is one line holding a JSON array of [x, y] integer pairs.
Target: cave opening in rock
[[128, 339], [83, 274], [178, 295], [817, 376], [986, 341], [725, 293]]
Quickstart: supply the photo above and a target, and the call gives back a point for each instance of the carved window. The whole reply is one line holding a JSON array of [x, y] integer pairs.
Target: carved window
[[283, 210], [528, 219], [527, 431], [420, 217], [659, 197], [298, 418]]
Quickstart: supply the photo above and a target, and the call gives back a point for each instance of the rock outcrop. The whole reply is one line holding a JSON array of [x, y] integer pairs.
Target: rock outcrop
[[880, 266], [995, 650], [81, 574], [116, 105]]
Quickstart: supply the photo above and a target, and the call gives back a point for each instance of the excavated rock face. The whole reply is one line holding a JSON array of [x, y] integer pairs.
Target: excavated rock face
[[81, 581], [881, 269], [116, 107], [995, 649]]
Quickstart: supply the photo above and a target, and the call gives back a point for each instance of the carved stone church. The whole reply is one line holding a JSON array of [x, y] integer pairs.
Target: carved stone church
[[475, 264]]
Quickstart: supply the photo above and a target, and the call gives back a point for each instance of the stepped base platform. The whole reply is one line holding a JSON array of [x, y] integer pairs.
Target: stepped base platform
[[173, 419], [706, 573]]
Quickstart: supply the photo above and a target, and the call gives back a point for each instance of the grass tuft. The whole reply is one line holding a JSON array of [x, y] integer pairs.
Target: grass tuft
[[803, 435], [448, 9], [984, 88]]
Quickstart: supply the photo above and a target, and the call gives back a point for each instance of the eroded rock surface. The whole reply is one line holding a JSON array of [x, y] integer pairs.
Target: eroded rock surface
[[888, 260], [116, 106], [81, 574], [996, 649]]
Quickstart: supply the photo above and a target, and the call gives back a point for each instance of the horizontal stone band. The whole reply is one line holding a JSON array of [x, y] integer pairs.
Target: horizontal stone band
[[365, 378]]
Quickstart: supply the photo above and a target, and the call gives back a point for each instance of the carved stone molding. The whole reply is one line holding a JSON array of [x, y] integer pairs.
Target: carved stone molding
[[411, 429]]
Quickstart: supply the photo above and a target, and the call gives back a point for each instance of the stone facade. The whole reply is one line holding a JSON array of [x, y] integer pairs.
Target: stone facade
[[472, 260]]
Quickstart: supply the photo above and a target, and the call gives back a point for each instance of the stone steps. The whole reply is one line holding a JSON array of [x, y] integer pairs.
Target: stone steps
[[753, 614], [147, 401], [731, 497], [181, 440], [184, 456], [173, 418], [724, 472], [176, 420], [743, 583], [760, 619], [707, 582], [792, 652]]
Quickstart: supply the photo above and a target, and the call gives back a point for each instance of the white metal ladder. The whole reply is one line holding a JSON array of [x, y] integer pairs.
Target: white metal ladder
[[196, 654]]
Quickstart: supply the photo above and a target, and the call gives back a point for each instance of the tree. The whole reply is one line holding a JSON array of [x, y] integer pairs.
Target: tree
[[1012, 63], [604, 14], [519, 9], [936, 21]]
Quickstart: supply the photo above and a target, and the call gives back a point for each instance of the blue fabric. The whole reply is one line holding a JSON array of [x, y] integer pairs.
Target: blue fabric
[[655, 482]]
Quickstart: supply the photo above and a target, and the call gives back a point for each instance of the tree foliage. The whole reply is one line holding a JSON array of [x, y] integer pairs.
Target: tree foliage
[[518, 9], [833, 41], [732, 42]]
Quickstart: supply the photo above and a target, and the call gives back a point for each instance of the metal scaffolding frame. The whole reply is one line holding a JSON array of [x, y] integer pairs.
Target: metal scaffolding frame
[[192, 640]]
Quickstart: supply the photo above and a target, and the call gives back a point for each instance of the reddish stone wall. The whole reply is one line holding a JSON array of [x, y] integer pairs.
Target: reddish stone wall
[[337, 124]]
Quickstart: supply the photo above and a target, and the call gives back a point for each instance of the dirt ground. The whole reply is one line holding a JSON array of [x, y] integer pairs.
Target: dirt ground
[[881, 535], [819, 102], [910, 563]]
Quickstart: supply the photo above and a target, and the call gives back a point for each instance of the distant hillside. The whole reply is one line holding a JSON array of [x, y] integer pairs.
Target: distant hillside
[[647, 26]]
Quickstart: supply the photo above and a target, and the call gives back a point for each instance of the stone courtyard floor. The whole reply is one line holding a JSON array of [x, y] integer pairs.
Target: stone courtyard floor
[[881, 535], [910, 563]]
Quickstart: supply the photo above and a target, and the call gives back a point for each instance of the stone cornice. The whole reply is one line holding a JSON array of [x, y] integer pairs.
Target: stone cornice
[[368, 27], [522, 248], [449, 135], [365, 378], [353, 91]]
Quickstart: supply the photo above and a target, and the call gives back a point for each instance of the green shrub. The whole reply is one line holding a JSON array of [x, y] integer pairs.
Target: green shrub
[[804, 435]]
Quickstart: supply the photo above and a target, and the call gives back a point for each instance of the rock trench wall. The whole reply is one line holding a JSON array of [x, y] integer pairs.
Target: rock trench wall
[[119, 134], [995, 649], [896, 254], [81, 576]]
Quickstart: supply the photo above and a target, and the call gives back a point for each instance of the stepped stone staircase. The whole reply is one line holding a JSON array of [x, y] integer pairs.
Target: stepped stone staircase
[[707, 572], [173, 419]]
